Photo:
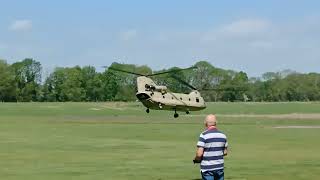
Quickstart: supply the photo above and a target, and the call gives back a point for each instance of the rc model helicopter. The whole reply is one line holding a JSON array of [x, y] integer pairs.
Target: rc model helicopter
[[157, 97]]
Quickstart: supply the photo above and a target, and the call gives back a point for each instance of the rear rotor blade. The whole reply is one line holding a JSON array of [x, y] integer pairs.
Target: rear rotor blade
[[225, 88]]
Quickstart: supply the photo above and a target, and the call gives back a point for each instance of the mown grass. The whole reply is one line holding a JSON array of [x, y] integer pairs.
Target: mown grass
[[119, 141], [137, 109]]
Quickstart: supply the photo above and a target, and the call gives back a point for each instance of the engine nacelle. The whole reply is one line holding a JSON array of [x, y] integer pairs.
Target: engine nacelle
[[162, 89]]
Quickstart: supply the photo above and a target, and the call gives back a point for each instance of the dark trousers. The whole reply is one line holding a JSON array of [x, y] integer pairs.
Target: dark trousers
[[213, 175]]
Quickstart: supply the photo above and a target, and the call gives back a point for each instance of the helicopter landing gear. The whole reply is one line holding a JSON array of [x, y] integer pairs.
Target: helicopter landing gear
[[187, 112], [176, 115], [147, 110]]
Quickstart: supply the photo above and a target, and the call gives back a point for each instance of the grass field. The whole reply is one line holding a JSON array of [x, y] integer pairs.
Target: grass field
[[98, 141]]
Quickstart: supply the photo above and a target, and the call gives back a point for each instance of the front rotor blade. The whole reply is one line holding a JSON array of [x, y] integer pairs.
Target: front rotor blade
[[129, 72], [171, 71], [183, 82]]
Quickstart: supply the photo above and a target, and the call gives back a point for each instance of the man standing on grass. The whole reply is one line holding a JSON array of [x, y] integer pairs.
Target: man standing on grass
[[212, 147]]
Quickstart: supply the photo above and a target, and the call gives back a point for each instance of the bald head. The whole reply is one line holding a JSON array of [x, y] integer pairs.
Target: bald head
[[210, 120]]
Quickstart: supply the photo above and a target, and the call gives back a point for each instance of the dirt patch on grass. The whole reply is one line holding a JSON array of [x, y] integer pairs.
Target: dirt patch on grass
[[297, 127], [95, 109]]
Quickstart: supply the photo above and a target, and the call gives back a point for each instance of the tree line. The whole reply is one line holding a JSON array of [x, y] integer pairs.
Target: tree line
[[23, 81]]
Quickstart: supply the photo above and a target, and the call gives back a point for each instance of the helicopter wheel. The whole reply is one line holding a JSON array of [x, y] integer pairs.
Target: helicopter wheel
[[176, 115], [187, 112], [147, 110]]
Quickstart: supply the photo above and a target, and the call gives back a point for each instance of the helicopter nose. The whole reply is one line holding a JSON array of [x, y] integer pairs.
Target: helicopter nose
[[142, 96]]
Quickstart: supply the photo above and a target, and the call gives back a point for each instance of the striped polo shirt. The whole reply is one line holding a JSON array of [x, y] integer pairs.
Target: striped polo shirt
[[214, 142]]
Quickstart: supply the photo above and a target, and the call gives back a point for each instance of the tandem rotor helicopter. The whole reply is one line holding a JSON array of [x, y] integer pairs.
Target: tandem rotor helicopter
[[157, 97]]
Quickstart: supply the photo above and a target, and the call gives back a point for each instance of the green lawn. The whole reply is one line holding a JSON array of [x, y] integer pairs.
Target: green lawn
[[98, 141]]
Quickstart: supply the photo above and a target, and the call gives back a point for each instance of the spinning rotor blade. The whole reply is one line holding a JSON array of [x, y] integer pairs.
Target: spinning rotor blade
[[172, 71], [225, 88], [149, 75], [183, 82], [129, 72]]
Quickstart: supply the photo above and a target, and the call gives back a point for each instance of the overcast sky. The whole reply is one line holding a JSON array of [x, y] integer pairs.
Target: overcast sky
[[253, 36]]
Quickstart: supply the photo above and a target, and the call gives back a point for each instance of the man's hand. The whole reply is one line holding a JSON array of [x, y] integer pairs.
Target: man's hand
[[196, 161], [225, 152]]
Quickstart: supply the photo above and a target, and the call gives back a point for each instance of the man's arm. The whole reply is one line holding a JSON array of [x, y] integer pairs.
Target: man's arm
[[200, 149], [199, 154]]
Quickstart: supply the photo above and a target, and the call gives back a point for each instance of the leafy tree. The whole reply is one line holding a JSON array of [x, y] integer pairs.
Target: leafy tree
[[65, 84], [91, 83], [7, 82], [28, 79], [110, 85], [71, 88]]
